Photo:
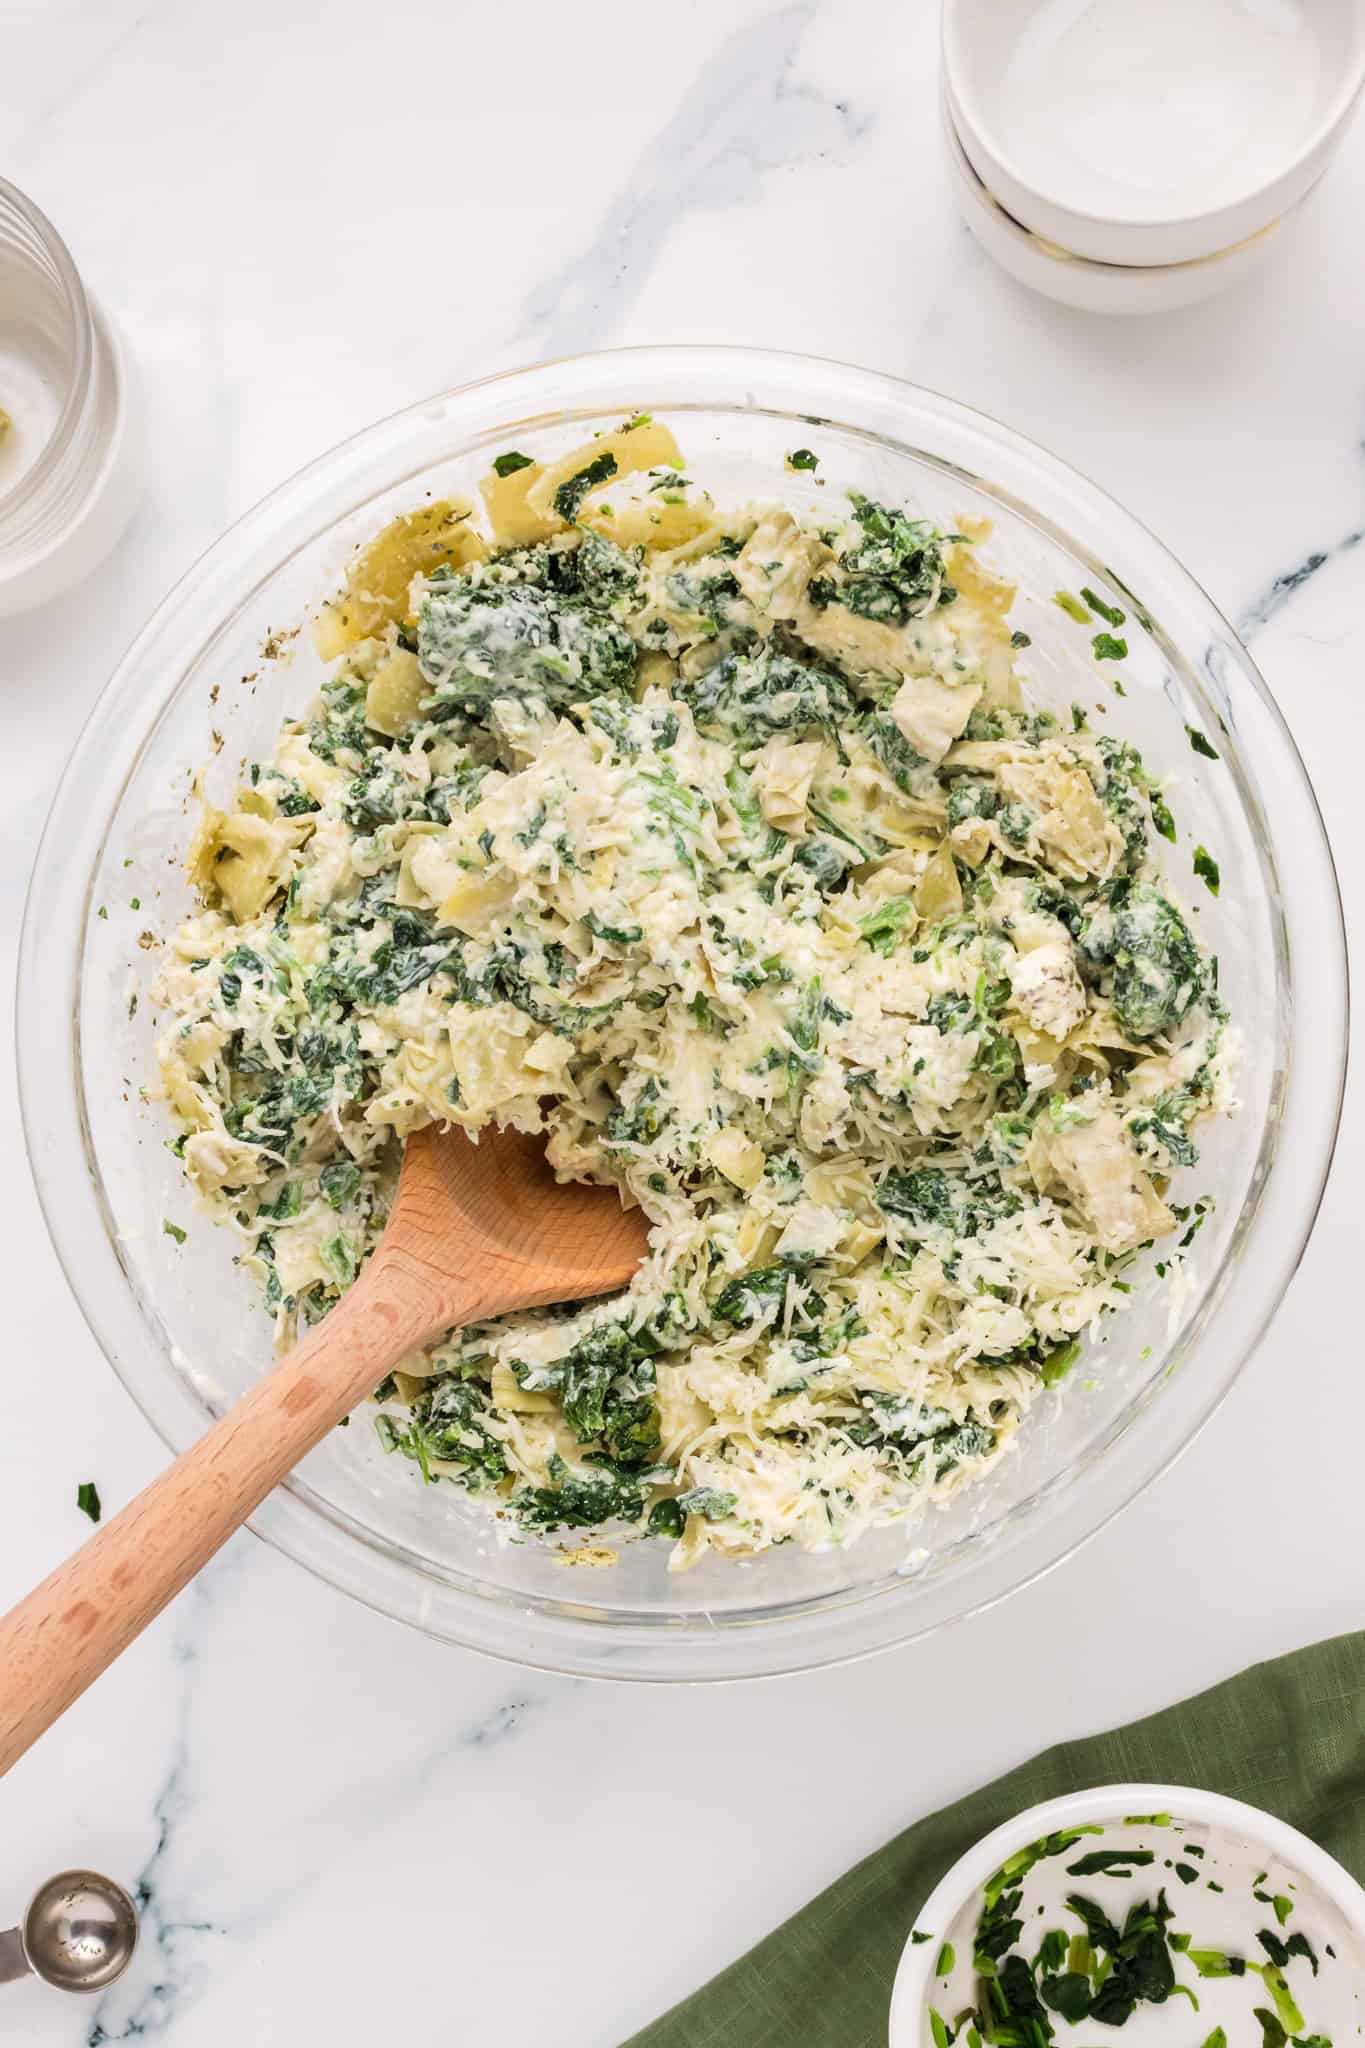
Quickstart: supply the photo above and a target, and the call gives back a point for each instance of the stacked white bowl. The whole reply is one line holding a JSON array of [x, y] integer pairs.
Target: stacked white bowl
[[1129, 156]]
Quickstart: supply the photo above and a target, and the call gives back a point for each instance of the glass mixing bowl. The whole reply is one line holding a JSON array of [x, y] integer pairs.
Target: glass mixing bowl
[[209, 680]]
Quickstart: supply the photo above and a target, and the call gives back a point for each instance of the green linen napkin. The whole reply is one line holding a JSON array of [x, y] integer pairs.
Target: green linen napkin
[[1288, 1735]]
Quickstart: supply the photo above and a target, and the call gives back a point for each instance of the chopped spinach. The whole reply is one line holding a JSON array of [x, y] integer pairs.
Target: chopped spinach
[[580, 1500], [1206, 867], [1110, 613], [752, 1295], [894, 571], [570, 495], [767, 694]]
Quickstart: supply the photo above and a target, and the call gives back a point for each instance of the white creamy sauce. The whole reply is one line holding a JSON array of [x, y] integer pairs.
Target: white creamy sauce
[[1159, 109]]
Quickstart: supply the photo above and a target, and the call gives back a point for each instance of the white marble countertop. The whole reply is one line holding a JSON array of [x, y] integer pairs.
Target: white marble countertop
[[345, 1832]]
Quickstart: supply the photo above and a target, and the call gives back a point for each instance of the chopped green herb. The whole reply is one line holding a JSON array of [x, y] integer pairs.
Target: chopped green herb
[[88, 1499], [1161, 817], [1200, 744], [1069, 1994], [1286, 2010], [1107, 648], [1281, 1951], [708, 1502], [1058, 1362], [1212, 1962], [570, 495], [339, 1182], [614, 934], [1022, 1861], [1073, 607], [1108, 612], [882, 926], [174, 1230], [1110, 1862], [1052, 1952], [1206, 867], [802, 458], [509, 463]]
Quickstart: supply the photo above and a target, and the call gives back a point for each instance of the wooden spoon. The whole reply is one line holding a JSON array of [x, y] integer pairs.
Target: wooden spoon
[[474, 1230]]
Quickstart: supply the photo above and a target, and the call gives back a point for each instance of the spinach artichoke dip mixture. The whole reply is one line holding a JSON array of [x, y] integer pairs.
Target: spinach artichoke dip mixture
[[721, 845]]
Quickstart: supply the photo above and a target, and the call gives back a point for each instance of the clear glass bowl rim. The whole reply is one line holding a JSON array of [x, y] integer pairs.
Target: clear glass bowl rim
[[498, 1622]]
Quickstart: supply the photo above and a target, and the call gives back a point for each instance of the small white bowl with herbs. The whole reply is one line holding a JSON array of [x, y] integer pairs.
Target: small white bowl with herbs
[[1180, 1916]]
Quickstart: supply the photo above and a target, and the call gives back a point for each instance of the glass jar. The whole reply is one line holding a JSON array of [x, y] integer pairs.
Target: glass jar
[[68, 458]]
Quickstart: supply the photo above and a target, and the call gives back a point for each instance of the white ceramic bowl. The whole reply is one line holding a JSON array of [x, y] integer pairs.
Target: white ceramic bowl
[[1095, 287], [1325, 1891], [1151, 134]]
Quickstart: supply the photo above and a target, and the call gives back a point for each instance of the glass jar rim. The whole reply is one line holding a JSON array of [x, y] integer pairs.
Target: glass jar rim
[[31, 486]]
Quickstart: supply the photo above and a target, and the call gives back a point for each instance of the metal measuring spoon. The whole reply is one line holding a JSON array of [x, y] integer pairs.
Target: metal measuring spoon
[[78, 1934]]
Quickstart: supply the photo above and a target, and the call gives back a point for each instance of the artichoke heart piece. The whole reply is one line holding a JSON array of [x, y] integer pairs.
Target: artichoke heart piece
[[377, 582]]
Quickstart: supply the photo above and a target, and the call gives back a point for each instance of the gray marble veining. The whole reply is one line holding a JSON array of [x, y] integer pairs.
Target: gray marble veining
[[747, 113]]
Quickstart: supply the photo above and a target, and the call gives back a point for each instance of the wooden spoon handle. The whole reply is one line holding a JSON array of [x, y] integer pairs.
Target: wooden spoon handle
[[60, 1638]]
